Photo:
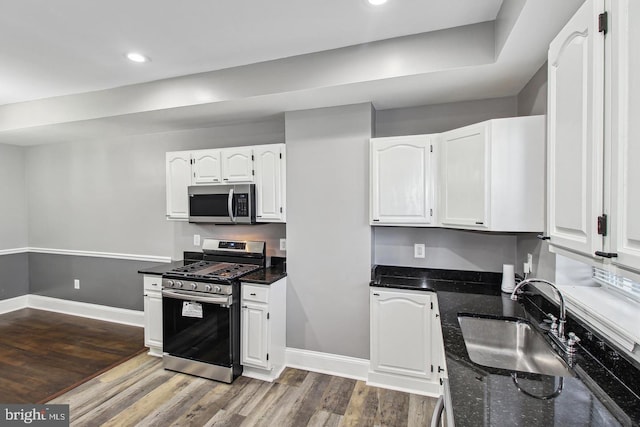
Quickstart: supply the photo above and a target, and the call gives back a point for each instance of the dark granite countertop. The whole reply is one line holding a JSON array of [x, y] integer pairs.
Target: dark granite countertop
[[264, 276], [160, 269], [483, 396]]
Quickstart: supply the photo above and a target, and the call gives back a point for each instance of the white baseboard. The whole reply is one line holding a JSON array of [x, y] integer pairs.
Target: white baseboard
[[84, 309], [263, 374], [326, 363], [13, 304]]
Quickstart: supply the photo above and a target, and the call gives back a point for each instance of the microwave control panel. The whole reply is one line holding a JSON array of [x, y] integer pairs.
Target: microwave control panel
[[242, 205]]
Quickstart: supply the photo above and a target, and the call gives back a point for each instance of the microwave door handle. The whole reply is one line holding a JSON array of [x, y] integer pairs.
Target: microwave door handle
[[230, 205]]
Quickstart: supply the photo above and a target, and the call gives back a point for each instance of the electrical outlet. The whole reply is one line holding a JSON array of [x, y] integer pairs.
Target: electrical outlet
[[418, 250], [529, 263], [76, 284], [196, 240], [283, 244]]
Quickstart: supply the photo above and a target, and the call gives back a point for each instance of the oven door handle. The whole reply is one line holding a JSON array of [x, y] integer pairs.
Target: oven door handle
[[230, 205], [219, 300]]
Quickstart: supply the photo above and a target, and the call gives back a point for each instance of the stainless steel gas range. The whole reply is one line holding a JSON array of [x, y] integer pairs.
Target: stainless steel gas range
[[201, 309]]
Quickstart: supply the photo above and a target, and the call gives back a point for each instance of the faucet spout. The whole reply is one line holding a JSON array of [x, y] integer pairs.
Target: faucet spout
[[563, 312]]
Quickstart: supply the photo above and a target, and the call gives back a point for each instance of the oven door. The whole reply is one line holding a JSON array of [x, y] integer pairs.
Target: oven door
[[198, 327]]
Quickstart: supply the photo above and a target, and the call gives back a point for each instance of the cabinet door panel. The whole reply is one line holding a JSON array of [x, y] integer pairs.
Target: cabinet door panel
[[401, 187], [269, 183], [237, 165], [575, 119], [626, 134], [401, 333], [178, 174], [206, 166], [153, 319], [465, 169], [254, 335]]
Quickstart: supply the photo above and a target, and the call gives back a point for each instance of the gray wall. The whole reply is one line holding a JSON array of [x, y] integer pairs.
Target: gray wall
[[14, 270], [442, 117], [109, 196], [14, 275], [13, 214], [532, 99], [448, 249], [328, 231], [110, 282]]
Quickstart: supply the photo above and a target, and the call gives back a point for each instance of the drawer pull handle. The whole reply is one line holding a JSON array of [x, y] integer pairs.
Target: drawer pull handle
[[252, 294]]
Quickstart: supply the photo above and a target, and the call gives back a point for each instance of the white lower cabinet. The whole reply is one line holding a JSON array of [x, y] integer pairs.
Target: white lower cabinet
[[153, 314], [406, 347], [263, 329]]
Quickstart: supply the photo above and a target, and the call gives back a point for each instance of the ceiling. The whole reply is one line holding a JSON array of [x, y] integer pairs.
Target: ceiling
[[52, 48], [64, 75]]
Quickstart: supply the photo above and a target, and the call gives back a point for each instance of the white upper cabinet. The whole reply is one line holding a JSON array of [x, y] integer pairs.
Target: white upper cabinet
[[402, 180], [270, 182], [492, 175], [178, 174], [466, 165], [263, 164], [624, 39], [206, 167], [237, 164], [575, 132]]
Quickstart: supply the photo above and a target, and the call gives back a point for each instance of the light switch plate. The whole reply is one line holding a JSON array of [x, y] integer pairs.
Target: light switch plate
[[76, 284], [196, 240], [418, 250], [283, 244]]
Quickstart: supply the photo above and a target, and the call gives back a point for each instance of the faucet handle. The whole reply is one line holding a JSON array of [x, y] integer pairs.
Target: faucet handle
[[572, 341], [553, 329]]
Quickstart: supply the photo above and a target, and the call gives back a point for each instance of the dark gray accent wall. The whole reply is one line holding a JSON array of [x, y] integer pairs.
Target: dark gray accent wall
[[104, 281], [14, 275]]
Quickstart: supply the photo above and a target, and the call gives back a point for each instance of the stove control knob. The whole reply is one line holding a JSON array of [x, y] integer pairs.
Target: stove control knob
[[207, 288], [178, 284], [218, 289], [170, 283], [194, 286]]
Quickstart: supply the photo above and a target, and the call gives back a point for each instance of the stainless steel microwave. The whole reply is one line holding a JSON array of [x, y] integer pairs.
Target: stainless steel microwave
[[222, 204]]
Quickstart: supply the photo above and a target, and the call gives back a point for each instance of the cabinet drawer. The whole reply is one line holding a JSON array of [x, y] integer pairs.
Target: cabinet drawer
[[255, 293], [152, 283]]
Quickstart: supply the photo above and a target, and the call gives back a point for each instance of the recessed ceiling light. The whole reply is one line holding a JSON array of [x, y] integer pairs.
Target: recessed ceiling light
[[377, 2], [137, 57]]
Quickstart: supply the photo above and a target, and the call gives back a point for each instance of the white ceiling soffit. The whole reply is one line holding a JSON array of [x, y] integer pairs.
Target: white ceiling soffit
[[62, 47], [444, 66]]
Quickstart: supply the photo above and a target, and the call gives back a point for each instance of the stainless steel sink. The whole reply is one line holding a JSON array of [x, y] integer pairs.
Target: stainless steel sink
[[510, 344]]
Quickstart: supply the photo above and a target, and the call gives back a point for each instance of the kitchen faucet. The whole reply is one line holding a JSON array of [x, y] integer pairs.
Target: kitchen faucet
[[567, 346]]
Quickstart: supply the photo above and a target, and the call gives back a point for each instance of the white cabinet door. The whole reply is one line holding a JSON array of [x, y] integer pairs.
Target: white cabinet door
[[237, 164], [465, 158], [255, 335], [178, 175], [575, 132], [206, 167], [625, 136], [401, 180], [269, 163], [401, 333]]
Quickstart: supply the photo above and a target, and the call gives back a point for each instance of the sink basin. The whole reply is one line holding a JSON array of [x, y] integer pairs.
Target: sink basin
[[510, 344]]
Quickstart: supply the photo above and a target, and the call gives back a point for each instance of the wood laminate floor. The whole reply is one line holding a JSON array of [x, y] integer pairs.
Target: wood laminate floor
[[43, 353], [140, 393]]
